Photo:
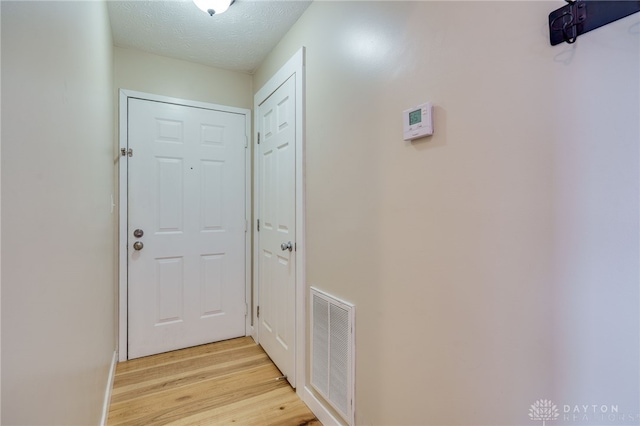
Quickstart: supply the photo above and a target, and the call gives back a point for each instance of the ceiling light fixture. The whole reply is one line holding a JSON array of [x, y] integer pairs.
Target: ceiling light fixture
[[213, 7]]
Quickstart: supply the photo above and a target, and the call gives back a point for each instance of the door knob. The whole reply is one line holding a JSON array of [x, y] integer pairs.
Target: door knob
[[286, 246], [138, 233], [138, 245]]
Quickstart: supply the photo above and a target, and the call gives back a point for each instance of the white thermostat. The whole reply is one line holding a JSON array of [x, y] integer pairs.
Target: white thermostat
[[418, 122]]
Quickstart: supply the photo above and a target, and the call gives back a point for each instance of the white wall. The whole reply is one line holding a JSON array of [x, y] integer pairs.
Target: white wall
[[146, 72], [57, 225], [495, 263]]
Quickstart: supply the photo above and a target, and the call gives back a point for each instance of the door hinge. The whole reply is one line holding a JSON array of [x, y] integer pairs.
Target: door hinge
[[246, 309], [258, 312], [246, 141], [246, 225], [258, 138], [126, 152], [258, 225]]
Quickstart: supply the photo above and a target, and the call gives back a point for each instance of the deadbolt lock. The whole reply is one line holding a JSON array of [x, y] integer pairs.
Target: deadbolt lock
[[138, 233]]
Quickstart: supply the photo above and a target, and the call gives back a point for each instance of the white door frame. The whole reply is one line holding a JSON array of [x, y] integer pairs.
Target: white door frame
[[295, 66], [123, 196]]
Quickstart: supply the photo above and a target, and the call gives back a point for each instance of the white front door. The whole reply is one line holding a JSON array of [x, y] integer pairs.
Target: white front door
[[277, 234], [186, 195]]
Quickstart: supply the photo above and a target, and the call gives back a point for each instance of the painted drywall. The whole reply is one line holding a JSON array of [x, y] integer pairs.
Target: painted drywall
[[495, 263], [57, 225], [146, 72]]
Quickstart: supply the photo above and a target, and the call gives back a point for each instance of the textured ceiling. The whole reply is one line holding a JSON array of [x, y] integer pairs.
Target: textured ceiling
[[238, 39]]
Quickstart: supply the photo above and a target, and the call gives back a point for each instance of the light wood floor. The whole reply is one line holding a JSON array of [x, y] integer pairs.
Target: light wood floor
[[230, 382]]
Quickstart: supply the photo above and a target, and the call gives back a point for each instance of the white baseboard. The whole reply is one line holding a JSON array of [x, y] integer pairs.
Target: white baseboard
[[318, 408], [107, 393]]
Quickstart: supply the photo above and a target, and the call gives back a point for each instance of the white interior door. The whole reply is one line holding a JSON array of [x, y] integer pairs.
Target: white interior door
[[186, 193], [277, 234]]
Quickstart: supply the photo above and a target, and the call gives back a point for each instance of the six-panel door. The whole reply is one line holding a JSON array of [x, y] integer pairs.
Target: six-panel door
[[187, 195], [276, 154]]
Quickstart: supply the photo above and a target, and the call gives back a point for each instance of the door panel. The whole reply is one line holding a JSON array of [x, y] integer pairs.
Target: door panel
[[276, 154], [187, 193]]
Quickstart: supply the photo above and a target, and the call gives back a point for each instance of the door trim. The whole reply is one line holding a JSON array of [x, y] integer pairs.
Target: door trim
[[123, 210], [294, 66]]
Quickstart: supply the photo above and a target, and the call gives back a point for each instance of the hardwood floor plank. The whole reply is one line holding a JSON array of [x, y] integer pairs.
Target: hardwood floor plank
[[124, 371], [185, 404], [169, 357], [138, 389], [214, 365], [211, 392], [260, 410], [230, 382]]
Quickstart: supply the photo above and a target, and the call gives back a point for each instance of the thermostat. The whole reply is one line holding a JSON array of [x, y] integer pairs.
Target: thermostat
[[418, 122]]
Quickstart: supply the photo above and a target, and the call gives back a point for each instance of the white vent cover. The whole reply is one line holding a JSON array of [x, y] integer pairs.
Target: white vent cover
[[332, 351]]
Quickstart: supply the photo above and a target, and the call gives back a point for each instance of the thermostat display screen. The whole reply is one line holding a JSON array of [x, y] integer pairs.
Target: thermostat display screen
[[415, 117], [417, 122]]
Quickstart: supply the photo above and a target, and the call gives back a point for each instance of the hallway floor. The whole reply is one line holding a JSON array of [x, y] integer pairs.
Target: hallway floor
[[229, 382]]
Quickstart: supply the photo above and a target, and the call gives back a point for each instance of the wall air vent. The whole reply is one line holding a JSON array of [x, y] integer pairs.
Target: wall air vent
[[332, 352]]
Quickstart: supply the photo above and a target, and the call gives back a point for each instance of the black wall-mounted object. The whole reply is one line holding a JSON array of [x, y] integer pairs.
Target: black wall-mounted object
[[581, 16]]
